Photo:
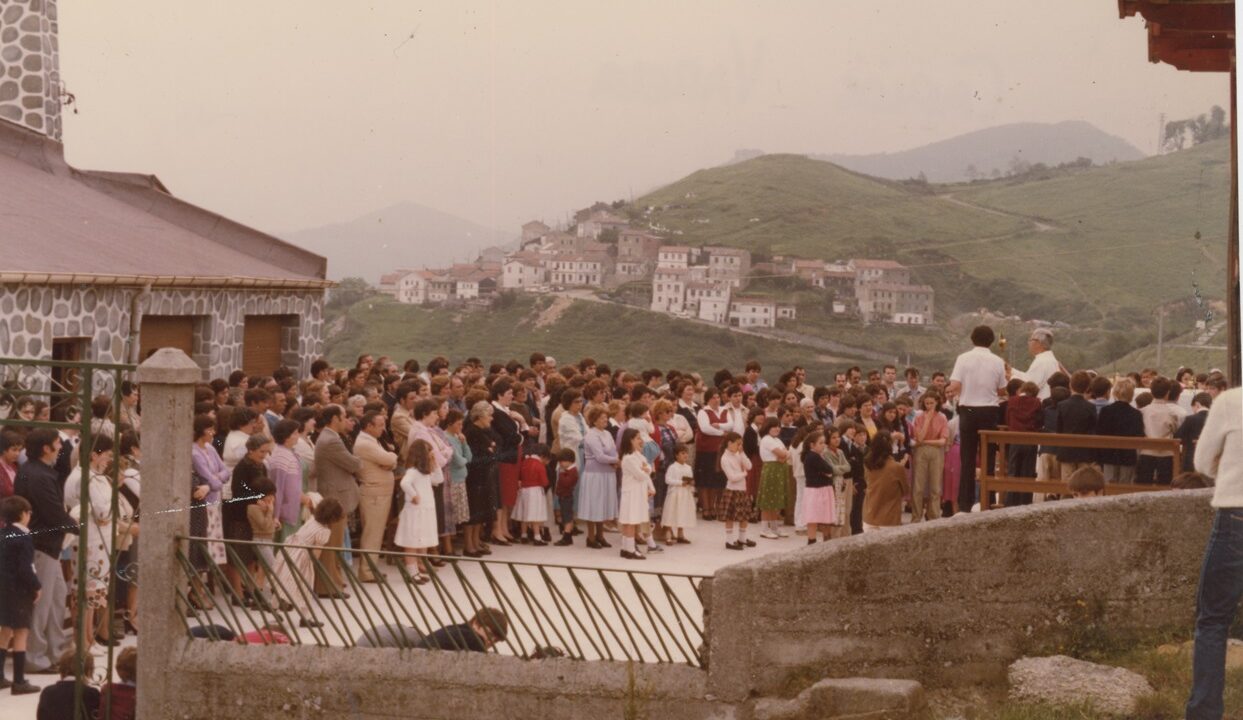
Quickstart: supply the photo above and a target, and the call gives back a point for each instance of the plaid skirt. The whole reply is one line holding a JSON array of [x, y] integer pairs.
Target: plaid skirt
[[734, 506]]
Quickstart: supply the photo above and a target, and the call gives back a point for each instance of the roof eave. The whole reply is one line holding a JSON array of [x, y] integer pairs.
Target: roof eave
[[163, 281]]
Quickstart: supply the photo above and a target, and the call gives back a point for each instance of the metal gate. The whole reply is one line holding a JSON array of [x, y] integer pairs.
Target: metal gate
[[69, 390]]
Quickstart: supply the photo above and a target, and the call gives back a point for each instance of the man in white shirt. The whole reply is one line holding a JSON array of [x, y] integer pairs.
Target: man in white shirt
[[1044, 364], [978, 382], [1219, 454], [737, 411]]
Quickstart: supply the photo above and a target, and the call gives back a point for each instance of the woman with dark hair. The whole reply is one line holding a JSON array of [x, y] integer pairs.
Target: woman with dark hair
[[211, 473], [93, 547], [307, 419], [713, 422], [887, 485], [285, 470], [482, 441], [508, 456], [236, 524]]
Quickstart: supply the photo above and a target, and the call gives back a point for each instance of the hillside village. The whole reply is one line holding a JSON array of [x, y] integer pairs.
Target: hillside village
[[602, 251]]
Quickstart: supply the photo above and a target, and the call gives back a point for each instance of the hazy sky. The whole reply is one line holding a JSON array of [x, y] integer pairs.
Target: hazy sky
[[288, 114]]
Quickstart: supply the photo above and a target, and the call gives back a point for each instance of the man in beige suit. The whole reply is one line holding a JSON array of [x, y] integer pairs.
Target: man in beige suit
[[337, 471], [403, 412], [376, 488]]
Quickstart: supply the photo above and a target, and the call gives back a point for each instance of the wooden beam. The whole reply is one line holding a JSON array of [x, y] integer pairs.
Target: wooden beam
[[1196, 16]]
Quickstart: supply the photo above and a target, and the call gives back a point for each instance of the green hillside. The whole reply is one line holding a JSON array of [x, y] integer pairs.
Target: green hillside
[[778, 204], [1093, 247], [613, 334], [1128, 236]]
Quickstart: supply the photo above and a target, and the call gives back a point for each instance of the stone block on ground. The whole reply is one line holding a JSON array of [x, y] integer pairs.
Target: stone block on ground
[[1061, 680], [848, 699]]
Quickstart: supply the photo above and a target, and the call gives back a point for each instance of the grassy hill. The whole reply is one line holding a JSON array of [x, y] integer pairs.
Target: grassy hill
[[571, 330], [1097, 248], [790, 204], [1129, 236]]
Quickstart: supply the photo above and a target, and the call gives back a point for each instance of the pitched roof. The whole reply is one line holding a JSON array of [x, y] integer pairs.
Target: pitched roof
[[878, 264], [62, 224]]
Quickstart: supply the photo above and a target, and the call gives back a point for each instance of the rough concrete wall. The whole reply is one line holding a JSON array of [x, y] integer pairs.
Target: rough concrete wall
[[220, 681], [953, 602], [32, 316]]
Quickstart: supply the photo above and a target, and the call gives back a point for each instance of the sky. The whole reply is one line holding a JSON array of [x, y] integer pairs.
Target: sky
[[290, 114]]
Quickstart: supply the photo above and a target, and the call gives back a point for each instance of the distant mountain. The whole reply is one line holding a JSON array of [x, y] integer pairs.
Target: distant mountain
[[403, 235], [994, 149]]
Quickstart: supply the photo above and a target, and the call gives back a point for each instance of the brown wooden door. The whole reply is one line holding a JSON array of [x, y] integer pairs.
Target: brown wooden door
[[161, 331], [261, 344]]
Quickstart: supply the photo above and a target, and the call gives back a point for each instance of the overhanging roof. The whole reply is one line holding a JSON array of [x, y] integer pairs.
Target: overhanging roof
[[1194, 35], [59, 224]]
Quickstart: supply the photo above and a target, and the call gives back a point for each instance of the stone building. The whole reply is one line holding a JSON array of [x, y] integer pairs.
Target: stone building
[[108, 267]]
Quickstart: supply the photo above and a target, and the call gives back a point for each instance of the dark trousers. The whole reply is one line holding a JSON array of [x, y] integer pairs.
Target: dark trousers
[[971, 420], [1153, 470], [856, 509], [1020, 463], [1217, 603]]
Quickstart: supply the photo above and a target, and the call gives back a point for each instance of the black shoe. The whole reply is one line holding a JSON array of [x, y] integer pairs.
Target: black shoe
[[107, 642], [545, 535], [594, 544], [576, 531], [733, 546], [5, 684], [632, 555], [525, 540], [604, 544], [538, 543], [565, 540], [24, 688], [749, 543], [470, 554], [305, 623]]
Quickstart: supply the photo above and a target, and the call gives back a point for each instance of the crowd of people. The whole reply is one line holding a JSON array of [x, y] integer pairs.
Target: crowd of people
[[447, 460]]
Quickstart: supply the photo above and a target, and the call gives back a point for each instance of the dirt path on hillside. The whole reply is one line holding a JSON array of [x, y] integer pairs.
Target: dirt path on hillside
[[553, 312], [1037, 225]]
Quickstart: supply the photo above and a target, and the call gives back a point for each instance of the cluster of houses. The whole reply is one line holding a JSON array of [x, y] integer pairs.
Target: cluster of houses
[[708, 283], [465, 283]]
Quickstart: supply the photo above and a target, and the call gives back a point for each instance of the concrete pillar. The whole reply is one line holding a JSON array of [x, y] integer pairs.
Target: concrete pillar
[[168, 378]]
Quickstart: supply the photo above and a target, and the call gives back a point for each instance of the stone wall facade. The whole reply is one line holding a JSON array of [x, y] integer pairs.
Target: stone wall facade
[[30, 65], [222, 681], [33, 316], [954, 602]]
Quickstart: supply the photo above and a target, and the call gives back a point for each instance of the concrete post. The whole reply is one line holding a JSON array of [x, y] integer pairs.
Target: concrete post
[[168, 378]]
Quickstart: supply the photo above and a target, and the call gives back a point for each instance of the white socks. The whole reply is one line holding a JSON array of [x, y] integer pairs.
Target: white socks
[[729, 536], [742, 534], [627, 544], [651, 541]]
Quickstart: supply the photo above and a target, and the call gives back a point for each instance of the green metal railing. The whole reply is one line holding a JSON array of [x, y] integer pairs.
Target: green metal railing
[[78, 385], [577, 612]]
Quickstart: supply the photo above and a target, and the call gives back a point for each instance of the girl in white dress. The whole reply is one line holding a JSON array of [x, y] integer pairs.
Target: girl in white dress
[[636, 488], [679, 510], [295, 593], [416, 525]]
